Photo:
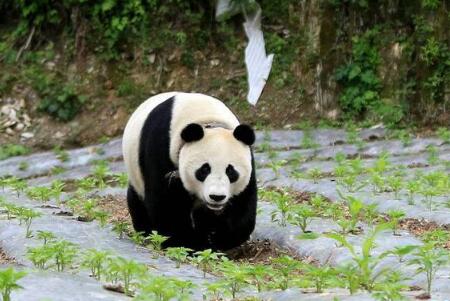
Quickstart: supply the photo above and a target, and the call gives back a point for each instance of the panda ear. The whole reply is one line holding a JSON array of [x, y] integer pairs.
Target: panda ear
[[245, 134], [192, 132]]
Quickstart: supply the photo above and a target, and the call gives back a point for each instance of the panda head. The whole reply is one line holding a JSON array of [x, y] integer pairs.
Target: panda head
[[215, 164]]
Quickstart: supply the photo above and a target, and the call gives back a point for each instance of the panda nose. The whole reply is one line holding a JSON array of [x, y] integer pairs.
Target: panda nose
[[216, 197]]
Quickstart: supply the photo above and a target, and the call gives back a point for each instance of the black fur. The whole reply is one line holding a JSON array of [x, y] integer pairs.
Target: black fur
[[168, 207], [192, 132], [245, 134]]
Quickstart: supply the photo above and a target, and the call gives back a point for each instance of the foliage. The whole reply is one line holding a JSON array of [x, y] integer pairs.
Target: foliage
[[359, 79], [11, 150], [8, 282], [119, 268]]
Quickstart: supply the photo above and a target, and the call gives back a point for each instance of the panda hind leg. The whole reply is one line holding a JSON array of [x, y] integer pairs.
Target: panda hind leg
[[138, 212]]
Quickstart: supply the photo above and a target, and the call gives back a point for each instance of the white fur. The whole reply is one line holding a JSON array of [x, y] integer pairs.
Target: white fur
[[218, 148], [188, 108]]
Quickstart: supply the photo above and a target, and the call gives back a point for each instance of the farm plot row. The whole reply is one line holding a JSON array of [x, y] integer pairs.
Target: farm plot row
[[338, 243]]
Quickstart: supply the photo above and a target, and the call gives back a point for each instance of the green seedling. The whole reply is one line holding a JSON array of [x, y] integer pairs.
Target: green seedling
[[18, 185], [64, 253], [57, 188], [429, 259], [258, 274], [401, 251], [12, 150], [349, 276], [138, 237], [391, 288], [61, 154], [339, 158], [96, 261], [341, 171], [121, 228], [355, 208], [272, 154], [371, 214], [438, 237], [377, 182], [395, 184], [283, 201], [394, 218], [444, 135], [334, 211], [433, 155], [296, 159], [308, 140], [382, 164], [156, 240], [235, 276], [57, 170], [179, 255], [88, 209], [41, 255], [356, 165], [315, 174], [45, 236], [276, 166], [365, 262], [350, 182], [161, 288], [301, 216], [27, 215], [8, 282], [285, 266], [319, 203], [121, 179], [102, 217], [100, 171], [428, 193], [40, 193], [413, 187], [352, 134], [87, 184], [405, 137], [319, 275], [125, 271], [205, 259], [215, 290], [23, 166]]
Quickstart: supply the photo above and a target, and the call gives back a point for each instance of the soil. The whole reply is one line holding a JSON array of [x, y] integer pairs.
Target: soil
[[116, 207], [258, 252], [5, 259]]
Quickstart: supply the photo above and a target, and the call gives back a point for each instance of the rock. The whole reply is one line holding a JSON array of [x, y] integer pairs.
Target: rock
[[214, 62], [27, 135], [9, 131], [152, 58]]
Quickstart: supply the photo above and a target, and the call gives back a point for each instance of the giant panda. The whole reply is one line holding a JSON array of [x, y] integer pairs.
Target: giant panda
[[191, 171]]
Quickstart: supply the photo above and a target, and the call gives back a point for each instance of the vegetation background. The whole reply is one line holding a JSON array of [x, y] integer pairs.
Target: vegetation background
[[81, 66]]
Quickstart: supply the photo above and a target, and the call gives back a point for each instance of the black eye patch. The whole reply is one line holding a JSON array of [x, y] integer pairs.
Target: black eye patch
[[232, 173], [203, 172]]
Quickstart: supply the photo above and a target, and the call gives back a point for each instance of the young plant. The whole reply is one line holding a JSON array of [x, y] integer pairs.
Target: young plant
[[395, 184], [179, 255], [161, 288], [235, 276], [156, 241], [138, 238], [121, 227], [8, 282], [319, 275], [444, 135], [258, 274], [126, 271], [102, 217], [433, 155], [401, 251], [64, 253], [314, 174], [283, 201], [121, 179], [356, 210], [57, 187], [96, 261], [364, 263], [350, 182], [27, 215], [394, 217], [45, 236], [23, 166], [413, 187], [205, 259], [285, 266], [308, 140], [301, 216], [429, 259], [276, 166], [61, 154], [40, 255], [100, 171], [18, 185], [40, 193]]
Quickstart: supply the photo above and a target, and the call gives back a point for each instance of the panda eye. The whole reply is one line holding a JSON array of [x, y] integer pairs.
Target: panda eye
[[203, 172], [232, 173]]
